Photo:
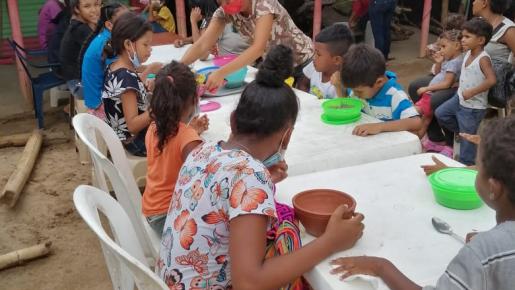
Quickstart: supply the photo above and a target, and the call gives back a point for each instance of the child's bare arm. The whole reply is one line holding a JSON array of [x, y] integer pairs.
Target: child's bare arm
[[409, 124], [490, 80], [447, 82], [374, 266]]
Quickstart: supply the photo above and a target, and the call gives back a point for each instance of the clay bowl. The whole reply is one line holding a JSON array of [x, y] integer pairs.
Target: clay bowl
[[314, 208]]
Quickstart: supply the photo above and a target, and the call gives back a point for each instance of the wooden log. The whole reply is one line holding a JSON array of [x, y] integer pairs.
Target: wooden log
[[22, 256], [18, 140], [445, 13], [19, 177]]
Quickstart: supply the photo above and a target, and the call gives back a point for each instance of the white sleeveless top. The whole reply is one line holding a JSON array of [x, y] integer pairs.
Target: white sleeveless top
[[472, 76], [496, 49]]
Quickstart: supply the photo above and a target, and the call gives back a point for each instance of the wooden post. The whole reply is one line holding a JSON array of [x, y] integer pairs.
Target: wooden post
[[424, 30], [445, 13], [180, 10], [19, 177], [317, 17], [21, 256], [14, 21]]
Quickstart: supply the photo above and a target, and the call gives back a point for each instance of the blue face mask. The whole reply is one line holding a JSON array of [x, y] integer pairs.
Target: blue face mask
[[277, 156], [134, 59]]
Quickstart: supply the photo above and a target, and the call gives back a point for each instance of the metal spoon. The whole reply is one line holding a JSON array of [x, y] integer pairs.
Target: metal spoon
[[444, 228]]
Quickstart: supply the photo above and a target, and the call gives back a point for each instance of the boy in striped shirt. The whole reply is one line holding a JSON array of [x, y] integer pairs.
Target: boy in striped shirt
[[364, 71]]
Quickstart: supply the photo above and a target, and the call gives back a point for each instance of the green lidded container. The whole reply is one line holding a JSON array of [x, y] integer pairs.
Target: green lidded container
[[341, 111], [455, 188]]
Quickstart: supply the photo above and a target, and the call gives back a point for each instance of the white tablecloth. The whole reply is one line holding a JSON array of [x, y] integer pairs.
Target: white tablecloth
[[398, 204], [314, 146]]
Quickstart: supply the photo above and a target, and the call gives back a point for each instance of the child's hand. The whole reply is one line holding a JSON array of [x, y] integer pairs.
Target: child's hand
[[200, 124], [368, 129], [150, 84], [336, 79], [342, 232], [438, 57], [178, 43], [430, 169], [279, 171], [357, 265], [475, 139], [422, 90], [214, 81], [467, 94], [195, 15]]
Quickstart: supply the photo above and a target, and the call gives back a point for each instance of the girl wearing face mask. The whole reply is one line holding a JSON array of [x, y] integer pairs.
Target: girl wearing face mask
[[84, 19], [170, 137], [223, 209], [124, 94], [263, 24]]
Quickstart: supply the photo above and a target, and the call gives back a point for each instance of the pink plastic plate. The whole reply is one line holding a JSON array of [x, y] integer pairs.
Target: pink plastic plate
[[209, 106]]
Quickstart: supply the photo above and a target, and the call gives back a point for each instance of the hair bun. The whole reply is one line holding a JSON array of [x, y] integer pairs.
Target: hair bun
[[277, 66]]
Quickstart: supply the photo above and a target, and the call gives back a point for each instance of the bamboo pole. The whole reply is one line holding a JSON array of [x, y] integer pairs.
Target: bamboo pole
[[22, 256], [317, 17], [445, 13], [18, 140], [19, 177], [424, 31]]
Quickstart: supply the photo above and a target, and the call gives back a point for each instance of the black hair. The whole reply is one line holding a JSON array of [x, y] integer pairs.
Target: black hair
[[479, 27], [72, 5], [454, 21], [268, 104], [338, 38], [129, 26], [498, 152], [362, 66], [175, 90], [499, 6]]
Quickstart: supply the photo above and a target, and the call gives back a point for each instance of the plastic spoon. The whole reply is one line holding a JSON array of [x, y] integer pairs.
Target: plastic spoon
[[444, 228]]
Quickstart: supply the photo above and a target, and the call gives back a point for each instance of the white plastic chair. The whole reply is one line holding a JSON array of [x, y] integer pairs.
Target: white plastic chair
[[88, 127], [124, 256]]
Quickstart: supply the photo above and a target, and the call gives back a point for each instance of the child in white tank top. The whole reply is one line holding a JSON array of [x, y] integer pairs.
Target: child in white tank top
[[463, 113]]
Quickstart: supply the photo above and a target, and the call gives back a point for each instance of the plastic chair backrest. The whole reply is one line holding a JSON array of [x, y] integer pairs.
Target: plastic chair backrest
[[125, 254], [120, 176], [20, 54]]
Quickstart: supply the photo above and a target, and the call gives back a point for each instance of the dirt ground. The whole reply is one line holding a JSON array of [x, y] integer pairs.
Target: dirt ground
[[45, 211]]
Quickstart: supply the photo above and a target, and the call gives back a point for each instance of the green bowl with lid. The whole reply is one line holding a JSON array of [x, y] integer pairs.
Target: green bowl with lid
[[342, 109], [455, 188]]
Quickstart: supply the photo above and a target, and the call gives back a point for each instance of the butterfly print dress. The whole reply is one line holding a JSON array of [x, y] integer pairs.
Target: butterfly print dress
[[213, 187]]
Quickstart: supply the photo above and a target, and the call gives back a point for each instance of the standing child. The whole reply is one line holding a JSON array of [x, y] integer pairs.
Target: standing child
[[85, 15], [160, 16], [448, 61], [463, 112], [330, 46], [488, 260], [94, 63], [215, 234], [364, 71], [124, 95], [170, 137]]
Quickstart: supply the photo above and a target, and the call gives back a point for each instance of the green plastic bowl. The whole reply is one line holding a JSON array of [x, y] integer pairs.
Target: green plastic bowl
[[342, 109], [455, 188]]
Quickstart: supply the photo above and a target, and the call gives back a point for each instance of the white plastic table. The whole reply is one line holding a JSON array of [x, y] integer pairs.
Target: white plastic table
[[398, 204], [314, 146]]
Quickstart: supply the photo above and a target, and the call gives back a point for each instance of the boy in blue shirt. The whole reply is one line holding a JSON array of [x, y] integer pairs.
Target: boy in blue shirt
[[364, 71]]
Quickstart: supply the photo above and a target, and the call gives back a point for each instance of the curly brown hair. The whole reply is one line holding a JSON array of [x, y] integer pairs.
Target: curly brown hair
[[498, 152], [174, 92]]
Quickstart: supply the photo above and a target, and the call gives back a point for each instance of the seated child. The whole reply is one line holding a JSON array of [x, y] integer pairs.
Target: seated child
[[161, 17], [364, 72], [463, 112], [330, 46], [94, 63], [448, 61], [488, 260], [124, 95], [170, 138]]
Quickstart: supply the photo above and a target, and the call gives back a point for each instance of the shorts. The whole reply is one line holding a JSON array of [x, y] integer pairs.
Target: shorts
[[425, 105]]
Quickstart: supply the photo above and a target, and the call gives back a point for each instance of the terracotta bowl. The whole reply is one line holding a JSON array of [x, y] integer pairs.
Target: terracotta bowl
[[314, 208]]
